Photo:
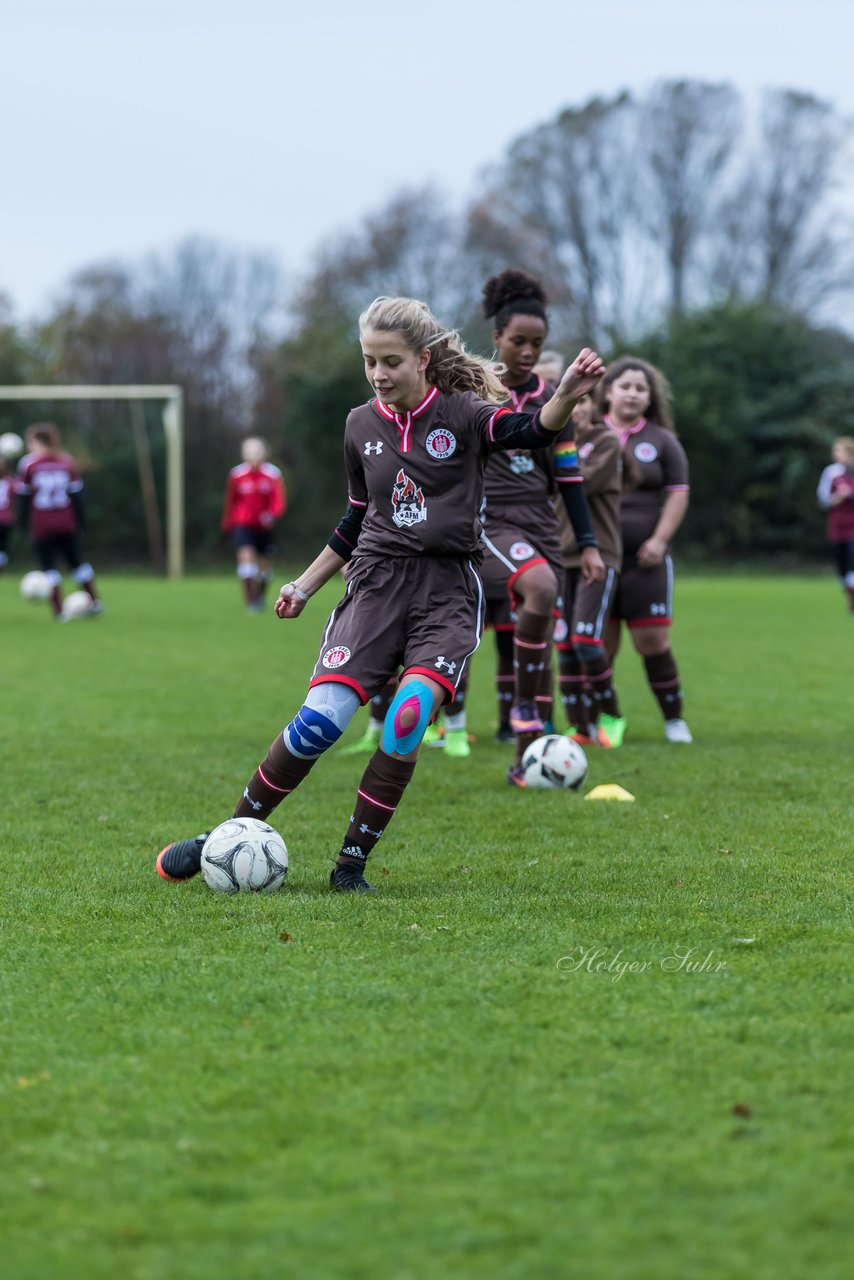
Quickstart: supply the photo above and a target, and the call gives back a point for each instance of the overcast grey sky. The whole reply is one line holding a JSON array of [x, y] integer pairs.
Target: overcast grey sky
[[128, 124]]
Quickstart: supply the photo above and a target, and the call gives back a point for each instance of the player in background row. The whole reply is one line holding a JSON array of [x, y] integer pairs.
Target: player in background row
[[836, 496], [634, 400], [50, 497], [522, 568], [7, 509], [415, 456], [254, 500], [585, 677]]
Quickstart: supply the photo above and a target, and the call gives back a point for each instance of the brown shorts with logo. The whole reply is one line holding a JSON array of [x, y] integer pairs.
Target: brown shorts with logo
[[509, 552], [421, 613], [644, 597], [586, 609]]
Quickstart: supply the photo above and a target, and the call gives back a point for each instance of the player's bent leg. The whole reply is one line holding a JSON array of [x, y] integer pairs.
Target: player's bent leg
[[409, 715], [323, 717], [327, 711], [385, 779]]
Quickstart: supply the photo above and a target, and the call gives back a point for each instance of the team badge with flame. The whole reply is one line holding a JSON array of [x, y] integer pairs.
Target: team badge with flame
[[408, 504]]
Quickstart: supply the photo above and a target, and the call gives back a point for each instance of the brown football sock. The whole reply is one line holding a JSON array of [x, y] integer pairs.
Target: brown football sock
[[571, 688], [600, 677], [383, 783], [663, 677], [530, 651], [278, 774]]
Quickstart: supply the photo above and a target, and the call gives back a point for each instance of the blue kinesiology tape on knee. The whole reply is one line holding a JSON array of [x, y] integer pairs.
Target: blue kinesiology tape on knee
[[310, 733], [323, 717], [414, 698]]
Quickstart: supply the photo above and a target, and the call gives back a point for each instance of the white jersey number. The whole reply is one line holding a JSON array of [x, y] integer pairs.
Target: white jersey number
[[50, 490]]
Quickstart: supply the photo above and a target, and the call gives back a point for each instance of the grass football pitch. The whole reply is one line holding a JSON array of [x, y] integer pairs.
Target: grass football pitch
[[565, 1038]]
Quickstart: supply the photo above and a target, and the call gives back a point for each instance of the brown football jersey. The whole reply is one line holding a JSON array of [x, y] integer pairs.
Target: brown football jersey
[[659, 461], [517, 480], [419, 475]]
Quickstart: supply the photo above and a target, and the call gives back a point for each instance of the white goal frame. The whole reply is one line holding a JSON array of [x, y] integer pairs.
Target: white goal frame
[[173, 428]]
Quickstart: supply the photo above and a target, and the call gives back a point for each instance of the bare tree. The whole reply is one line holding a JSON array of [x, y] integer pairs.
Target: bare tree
[[564, 206], [689, 130], [413, 247], [802, 246]]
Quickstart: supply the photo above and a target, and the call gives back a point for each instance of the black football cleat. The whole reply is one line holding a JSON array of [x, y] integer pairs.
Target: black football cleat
[[349, 880], [504, 734], [181, 860]]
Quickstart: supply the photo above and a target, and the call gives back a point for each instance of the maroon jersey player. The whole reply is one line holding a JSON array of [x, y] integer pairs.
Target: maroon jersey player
[[415, 456], [522, 568], [635, 401], [254, 500], [52, 510], [836, 495]]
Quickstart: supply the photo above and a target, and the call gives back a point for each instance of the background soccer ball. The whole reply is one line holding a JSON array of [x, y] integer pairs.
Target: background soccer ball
[[35, 585], [554, 762], [244, 855], [77, 605], [11, 445]]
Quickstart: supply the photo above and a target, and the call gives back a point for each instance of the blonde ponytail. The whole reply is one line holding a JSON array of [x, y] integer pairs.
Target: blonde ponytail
[[451, 368]]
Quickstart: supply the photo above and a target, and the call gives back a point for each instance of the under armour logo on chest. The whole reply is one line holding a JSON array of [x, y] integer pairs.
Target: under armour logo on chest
[[376, 447]]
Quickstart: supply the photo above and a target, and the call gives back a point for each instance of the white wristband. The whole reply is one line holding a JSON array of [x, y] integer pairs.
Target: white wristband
[[297, 590]]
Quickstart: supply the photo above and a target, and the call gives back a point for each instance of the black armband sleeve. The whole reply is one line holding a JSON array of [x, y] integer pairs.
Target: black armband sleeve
[[520, 431], [575, 501], [346, 535]]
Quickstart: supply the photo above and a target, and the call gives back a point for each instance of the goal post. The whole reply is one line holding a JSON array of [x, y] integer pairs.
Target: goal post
[[173, 429]]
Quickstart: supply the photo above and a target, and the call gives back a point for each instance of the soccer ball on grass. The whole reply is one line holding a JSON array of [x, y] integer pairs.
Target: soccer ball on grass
[[244, 855], [35, 585], [77, 605], [553, 763]]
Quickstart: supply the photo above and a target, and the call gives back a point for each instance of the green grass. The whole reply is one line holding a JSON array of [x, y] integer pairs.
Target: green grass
[[412, 1086]]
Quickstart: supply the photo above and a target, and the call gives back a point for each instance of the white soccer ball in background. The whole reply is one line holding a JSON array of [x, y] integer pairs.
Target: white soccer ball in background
[[35, 585], [554, 762], [11, 445], [244, 855], [77, 605]]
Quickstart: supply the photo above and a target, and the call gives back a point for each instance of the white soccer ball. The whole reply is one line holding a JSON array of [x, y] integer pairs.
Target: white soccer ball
[[244, 855], [36, 585], [77, 605], [554, 762], [11, 445]]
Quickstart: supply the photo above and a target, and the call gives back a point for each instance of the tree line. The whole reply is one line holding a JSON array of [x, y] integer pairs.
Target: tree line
[[687, 224]]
